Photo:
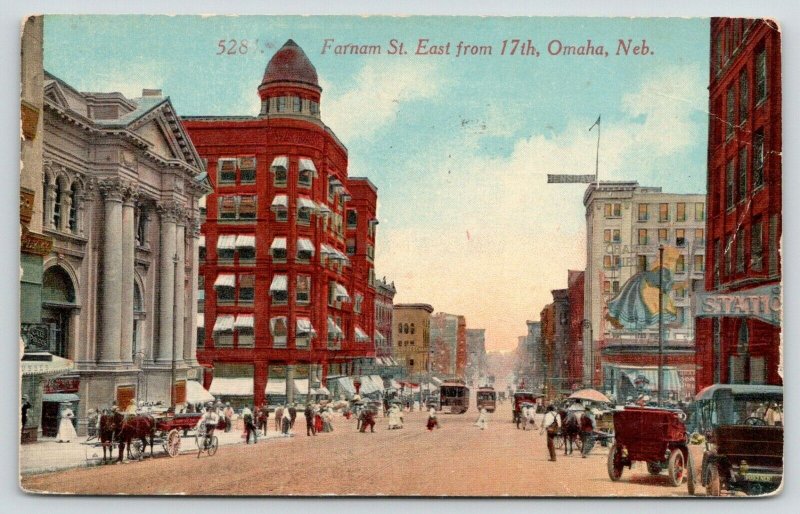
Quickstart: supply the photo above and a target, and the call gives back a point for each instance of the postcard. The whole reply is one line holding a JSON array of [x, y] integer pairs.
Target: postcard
[[401, 256]]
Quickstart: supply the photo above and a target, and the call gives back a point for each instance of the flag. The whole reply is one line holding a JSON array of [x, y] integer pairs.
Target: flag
[[597, 123]]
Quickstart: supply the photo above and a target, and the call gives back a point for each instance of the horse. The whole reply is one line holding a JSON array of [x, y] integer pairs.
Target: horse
[[570, 429], [106, 435], [128, 428]]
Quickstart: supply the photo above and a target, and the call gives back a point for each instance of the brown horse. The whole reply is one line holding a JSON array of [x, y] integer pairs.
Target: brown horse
[[128, 428], [106, 435]]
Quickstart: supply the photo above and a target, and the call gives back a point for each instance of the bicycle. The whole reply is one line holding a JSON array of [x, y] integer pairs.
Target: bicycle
[[205, 443]]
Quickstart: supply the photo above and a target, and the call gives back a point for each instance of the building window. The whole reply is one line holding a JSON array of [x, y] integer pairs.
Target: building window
[[313, 107], [699, 212], [279, 330], [280, 177], [773, 244], [680, 264], [663, 235], [699, 263], [615, 286], [761, 75], [278, 249], [740, 250], [247, 284], [247, 170], [758, 159], [247, 207], [680, 237], [281, 104], [643, 212], [297, 104], [606, 287], [663, 212], [615, 236], [351, 246], [756, 246], [358, 301], [729, 256], [226, 171], [643, 236], [278, 290], [729, 186], [680, 214], [141, 229], [73, 209], [613, 210], [57, 206], [352, 218], [744, 100], [617, 262], [303, 289], [699, 237], [642, 262], [238, 207], [226, 295], [731, 113], [717, 261]]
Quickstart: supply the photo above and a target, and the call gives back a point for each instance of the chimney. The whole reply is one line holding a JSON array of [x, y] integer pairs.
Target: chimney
[[151, 92]]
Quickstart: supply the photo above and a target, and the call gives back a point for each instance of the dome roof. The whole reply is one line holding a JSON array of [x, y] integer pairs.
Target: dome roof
[[290, 64]]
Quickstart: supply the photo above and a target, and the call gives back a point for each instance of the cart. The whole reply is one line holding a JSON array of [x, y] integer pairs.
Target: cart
[[655, 436], [168, 431], [521, 397]]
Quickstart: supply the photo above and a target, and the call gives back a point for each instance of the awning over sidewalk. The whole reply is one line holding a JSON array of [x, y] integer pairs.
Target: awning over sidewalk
[[346, 384], [371, 384], [276, 386], [43, 363], [240, 386], [196, 393], [301, 386], [361, 336], [60, 397], [321, 390]]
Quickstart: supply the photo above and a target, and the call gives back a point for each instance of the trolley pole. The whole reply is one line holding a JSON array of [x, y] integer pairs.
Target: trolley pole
[[660, 324]]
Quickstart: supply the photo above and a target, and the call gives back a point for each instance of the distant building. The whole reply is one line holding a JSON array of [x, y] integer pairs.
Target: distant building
[[476, 356], [411, 337], [448, 345], [384, 306], [575, 356], [739, 326]]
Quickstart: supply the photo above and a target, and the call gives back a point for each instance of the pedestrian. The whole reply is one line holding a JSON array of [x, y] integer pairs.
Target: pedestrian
[[66, 430], [587, 432], [368, 420], [551, 423], [395, 417], [482, 419], [228, 412], [432, 421], [26, 405], [530, 418], [286, 422], [249, 426], [318, 425], [292, 414], [309, 415], [327, 420]]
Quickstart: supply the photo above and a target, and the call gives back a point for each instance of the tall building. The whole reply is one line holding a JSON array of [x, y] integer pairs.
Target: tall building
[[449, 345], [739, 319], [626, 224], [476, 356], [575, 356], [287, 276], [549, 360], [384, 306], [122, 184], [411, 338]]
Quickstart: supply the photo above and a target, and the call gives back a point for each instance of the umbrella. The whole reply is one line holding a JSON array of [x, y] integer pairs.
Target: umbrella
[[591, 395]]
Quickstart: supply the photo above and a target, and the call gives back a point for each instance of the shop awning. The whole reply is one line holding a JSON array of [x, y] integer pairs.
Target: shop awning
[[334, 328], [303, 202], [378, 381], [201, 319], [223, 386], [307, 165], [276, 386], [301, 386], [321, 390], [368, 386], [279, 283], [201, 202], [280, 202], [437, 381], [346, 384], [196, 393], [225, 280], [361, 336], [60, 397], [224, 323], [304, 326], [379, 339], [395, 384], [226, 242], [244, 321], [341, 292], [245, 241], [280, 161], [279, 243], [324, 209], [305, 245]]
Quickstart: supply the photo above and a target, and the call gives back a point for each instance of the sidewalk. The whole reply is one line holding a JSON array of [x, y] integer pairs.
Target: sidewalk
[[48, 455]]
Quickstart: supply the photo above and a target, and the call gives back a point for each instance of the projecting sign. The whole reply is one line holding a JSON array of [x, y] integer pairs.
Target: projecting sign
[[762, 303]]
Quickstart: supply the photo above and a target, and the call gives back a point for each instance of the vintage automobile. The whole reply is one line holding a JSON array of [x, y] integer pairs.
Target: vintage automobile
[[743, 429], [521, 397], [486, 398], [656, 436]]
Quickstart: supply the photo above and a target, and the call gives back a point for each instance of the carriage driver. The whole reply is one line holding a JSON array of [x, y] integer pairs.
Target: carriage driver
[[210, 418]]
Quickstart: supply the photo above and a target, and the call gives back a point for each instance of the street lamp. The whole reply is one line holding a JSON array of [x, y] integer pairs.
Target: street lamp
[[660, 323]]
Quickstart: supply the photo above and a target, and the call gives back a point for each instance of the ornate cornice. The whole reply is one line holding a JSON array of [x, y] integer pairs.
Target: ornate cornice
[[118, 190], [170, 211]]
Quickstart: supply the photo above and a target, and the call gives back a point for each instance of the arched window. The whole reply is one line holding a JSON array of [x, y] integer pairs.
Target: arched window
[[399, 328], [58, 301], [405, 328], [57, 206], [412, 328], [73, 209]]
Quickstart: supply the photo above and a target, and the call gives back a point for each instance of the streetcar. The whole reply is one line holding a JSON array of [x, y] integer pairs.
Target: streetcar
[[454, 397], [486, 398]]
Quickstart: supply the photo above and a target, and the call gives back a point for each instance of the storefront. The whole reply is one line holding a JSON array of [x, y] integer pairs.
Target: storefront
[[37, 368]]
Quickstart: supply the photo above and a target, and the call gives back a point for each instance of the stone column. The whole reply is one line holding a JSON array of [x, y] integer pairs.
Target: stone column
[[190, 344], [166, 288], [127, 273], [180, 288], [111, 309], [290, 383]]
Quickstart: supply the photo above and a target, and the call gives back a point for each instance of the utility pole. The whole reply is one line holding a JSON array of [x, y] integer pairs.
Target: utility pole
[[660, 324]]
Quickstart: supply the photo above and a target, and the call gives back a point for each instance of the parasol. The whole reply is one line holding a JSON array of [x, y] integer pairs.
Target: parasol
[[591, 395]]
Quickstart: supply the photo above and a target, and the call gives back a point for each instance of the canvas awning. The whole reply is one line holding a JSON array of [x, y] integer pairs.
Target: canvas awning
[[379, 339], [307, 165], [303, 202], [225, 280], [326, 250], [346, 383], [361, 336], [239, 386], [275, 386], [280, 202], [60, 397], [201, 241], [378, 381], [304, 326], [333, 327], [245, 241], [305, 245], [437, 381], [280, 161], [395, 384], [324, 209], [368, 386], [200, 320], [226, 242], [279, 283], [196, 393], [341, 292], [244, 321], [301, 386], [321, 390], [224, 323]]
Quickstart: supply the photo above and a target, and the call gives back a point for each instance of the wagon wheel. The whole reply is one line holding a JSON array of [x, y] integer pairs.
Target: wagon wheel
[[614, 464], [136, 448], [654, 468], [212, 448], [173, 443], [713, 487], [676, 468], [690, 478]]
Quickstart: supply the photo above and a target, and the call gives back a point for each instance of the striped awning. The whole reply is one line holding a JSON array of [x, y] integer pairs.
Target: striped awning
[[301, 385], [279, 243], [303, 202], [280, 201], [244, 321], [280, 161], [307, 165], [225, 280], [305, 245], [196, 393], [379, 337], [324, 209], [245, 241], [43, 363], [224, 323], [341, 293], [226, 242], [334, 328], [279, 283], [304, 326]]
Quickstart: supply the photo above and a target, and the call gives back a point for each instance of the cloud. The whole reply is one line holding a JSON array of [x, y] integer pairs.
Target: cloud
[[375, 98]]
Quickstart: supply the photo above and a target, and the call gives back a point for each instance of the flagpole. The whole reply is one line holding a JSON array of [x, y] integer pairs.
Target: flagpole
[[597, 157]]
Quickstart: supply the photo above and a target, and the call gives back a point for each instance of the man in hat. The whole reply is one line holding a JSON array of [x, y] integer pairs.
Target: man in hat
[[587, 431], [26, 405], [292, 415], [249, 426], [228, 412], [551, 423], [309, 414]]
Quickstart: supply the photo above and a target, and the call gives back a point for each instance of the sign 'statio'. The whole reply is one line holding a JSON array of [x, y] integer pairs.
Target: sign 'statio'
[[401, 256]]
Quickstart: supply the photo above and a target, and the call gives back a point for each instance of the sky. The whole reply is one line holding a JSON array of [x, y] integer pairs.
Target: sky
[[458, 146]]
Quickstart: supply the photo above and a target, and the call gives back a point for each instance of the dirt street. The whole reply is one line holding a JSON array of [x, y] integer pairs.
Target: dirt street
[[457, 459]]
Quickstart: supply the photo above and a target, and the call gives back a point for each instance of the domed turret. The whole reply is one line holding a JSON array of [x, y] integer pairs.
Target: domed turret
[[290, 86]]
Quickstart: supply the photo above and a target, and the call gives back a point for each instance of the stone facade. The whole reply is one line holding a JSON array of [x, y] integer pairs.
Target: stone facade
[[384, 306], [411, 337]]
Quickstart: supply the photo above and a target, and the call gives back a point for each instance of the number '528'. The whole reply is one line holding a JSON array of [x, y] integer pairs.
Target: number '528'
[[233, 47]]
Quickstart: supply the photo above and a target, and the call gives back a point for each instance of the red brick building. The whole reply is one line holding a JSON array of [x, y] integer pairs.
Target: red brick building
[[575, 355], [289, 243], [738, 324], [461, 348]]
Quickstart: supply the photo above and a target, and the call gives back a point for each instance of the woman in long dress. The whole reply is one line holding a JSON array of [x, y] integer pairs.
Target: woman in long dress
[[66, 430]]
